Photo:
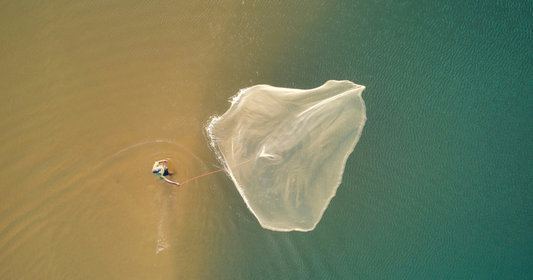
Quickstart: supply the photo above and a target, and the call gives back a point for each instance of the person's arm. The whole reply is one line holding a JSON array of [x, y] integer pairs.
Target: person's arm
[[171, 182]]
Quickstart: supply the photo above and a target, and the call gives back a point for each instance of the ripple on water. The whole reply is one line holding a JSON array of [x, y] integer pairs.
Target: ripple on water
[[107, 205]]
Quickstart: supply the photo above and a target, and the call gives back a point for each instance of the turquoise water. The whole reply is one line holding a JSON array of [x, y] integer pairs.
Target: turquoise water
[[440, 185]]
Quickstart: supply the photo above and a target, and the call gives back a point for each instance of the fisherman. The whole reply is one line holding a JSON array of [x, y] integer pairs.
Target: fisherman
[[160, 170]]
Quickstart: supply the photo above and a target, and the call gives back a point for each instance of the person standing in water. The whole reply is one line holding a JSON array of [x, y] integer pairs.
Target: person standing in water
[[160, 170]]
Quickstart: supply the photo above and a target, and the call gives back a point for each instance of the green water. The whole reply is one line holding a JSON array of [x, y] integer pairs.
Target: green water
[[440, 185]]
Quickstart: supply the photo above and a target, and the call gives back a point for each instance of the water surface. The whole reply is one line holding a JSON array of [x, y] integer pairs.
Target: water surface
[[439, 186]]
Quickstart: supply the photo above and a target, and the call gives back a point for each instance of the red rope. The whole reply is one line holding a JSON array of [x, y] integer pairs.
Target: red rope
[[199, 176]]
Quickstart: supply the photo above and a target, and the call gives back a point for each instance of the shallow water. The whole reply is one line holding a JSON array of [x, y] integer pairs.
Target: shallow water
[[439, 185]]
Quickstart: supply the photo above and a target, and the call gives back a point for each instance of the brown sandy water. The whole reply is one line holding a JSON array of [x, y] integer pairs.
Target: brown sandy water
[[93, 93]]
